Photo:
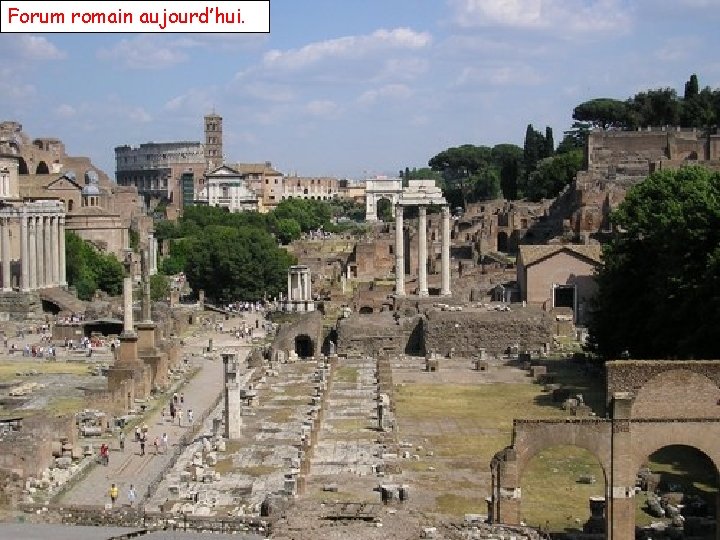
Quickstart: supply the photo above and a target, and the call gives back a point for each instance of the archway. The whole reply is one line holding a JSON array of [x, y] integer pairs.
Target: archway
[[502, 242], [366, 310], [22, 166], [558, 484], [42, 168], [679, 486], [304, 347], [384, 209]]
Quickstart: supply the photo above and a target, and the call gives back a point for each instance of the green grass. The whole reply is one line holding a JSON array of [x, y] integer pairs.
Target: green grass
[[346, 374], [457, 505], [8, 370], [551, 491]]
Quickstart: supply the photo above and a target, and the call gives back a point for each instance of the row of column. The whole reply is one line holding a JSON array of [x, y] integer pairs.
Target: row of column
[[301, 285], [422, 252], [42, 252]]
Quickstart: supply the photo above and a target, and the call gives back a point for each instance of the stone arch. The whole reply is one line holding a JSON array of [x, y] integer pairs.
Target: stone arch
[[22, 166], [42, 168], [304, 346], [531, 438], [366, 310], [381, 189], [384, 208], [689, 483], [502, 242], [576, 472]]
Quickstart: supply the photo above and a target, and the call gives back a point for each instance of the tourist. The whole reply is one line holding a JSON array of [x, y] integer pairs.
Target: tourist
[[137, 433], [182, 398], [156, 444], [113, 494], [121, 439], [131, 495], [190, 417], [104, 455], [164, 442], [142, 446], [179, 415]]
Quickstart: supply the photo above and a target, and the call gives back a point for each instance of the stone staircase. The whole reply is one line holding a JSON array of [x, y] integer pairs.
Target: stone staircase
[[62, 299]]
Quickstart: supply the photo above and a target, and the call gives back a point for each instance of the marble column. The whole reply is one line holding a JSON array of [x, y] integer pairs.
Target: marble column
[[445, 252], [422, 251], [152, 254], [308, 287], [399, 252], [61, 251], [290, 294], [54, 228], [39, 252], [47, 251], [128, 327], [5, 253], [32, 258], [24, 258]]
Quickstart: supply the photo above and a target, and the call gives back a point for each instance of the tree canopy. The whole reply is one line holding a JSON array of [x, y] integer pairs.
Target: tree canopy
[[88, 269], [231, 264], [655, 107], [659, 286]]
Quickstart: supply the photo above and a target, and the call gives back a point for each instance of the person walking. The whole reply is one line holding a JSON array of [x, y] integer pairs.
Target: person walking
[[121, 439], [179, 415], [131, 495], [156, 444], [142, 446], [164, 442], [137, 433], [190, 417], [113, 494]]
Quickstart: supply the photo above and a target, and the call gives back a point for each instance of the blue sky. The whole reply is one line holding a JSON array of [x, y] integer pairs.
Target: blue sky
[[349, 88]]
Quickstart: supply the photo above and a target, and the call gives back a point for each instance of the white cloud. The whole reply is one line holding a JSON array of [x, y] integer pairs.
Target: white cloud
[[143, 52], [65, 111], [139, 115], [515, 75], [346, 47], [389, 91], [565, 18], [322, 107], [26, 47]]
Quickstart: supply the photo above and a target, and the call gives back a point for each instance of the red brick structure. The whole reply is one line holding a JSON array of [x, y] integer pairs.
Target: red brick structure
[[653, 404]]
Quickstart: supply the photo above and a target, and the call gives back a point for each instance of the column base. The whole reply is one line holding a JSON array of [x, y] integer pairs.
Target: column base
[[445, 293]]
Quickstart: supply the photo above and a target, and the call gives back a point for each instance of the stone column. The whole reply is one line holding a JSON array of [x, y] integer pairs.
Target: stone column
[[39, 252], [422, 251], [128, 327], [399, 252], [445, 257], [32, 254], [308, 287], [152, 254], [47, 251], [24, 258], [54, 249], [5, 253], [61, 251], [290, 294]]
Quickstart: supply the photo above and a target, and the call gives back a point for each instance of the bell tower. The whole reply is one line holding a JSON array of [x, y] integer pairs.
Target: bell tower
[[213, 141]]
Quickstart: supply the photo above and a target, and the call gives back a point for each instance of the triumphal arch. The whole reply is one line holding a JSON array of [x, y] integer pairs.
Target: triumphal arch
[[652, 404]]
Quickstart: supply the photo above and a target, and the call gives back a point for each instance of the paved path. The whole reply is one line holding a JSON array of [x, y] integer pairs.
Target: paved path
[[129, 467]]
